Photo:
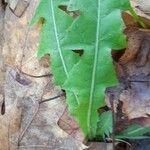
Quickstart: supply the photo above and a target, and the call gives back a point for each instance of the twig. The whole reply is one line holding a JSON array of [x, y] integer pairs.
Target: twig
[[53, 98], [40, 76], [123, 142]]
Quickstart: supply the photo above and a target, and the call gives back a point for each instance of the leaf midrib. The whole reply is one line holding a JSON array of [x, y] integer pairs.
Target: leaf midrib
[[94, 70], [57, 39], [135, 131], [58, 45]]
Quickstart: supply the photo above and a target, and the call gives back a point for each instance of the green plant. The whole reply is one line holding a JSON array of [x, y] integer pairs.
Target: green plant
[[105, 124], [97, 30], [55, 24], [134, 132]]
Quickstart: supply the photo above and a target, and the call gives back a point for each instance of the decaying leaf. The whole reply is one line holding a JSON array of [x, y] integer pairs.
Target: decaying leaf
[[133, 73], [9, 128], [28, 124], [136, 69], [70, 126]]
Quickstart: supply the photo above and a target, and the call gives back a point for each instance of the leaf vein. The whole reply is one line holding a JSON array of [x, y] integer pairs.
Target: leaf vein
[[94, 68], [59, 47]]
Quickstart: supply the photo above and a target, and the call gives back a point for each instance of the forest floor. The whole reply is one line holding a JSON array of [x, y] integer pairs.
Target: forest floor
[[26, 121]]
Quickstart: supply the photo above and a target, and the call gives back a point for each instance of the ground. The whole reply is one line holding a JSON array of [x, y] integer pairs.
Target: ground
[[26, 122]]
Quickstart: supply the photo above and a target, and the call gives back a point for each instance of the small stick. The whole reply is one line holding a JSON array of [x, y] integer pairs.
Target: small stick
[[53, 98], [3, 108], [40, 76]]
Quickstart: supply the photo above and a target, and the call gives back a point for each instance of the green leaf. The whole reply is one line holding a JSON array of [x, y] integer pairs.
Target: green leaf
[[134, 131], [105, 124], [56, 22], [97, 30]]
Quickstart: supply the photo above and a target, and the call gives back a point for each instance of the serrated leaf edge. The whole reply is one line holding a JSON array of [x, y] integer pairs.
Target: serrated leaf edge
[[59, 47]]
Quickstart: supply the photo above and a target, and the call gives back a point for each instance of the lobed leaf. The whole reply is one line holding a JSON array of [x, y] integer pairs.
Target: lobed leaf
[[56, 22], [97, 30], [105, 124]]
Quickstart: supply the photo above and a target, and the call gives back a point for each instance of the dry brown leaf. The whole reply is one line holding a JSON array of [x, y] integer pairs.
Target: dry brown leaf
[[134, 74], [135, 64], [99, 146], [9, 128], [70, 126]]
